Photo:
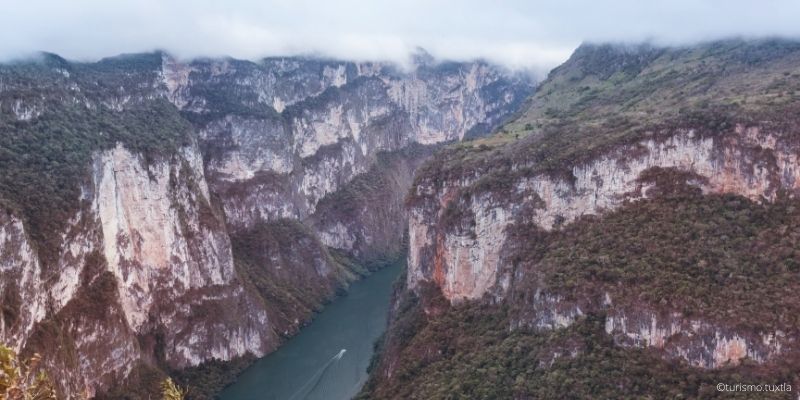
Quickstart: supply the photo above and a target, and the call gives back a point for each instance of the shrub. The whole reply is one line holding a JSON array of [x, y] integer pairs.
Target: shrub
[[23, 380]]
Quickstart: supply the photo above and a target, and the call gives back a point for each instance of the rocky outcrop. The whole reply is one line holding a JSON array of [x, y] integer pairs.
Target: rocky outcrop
[[700, 343], [293, 145], [202, 240], [635, 213], [362, 216], [748, 161], [23, 301], [148, 215], [147, 255], [459, 241], [171, 256]]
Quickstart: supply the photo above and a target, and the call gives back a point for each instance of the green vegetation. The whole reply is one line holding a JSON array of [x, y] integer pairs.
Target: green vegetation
[[23, 379], [143, 382], [649, 84], [45, 160], [468, 352], [201, 382], [374, 200], [288, 267], [373, 186], [171, 391], [722, 258], [208, 379], [607, 96], [719, 257]]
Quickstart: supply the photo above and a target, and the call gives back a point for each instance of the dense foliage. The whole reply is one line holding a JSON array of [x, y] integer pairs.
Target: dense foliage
[[721, 257], [286, 265], [607, 96], [468, 352], [200, 382], [78, 110], [374, 185], [208, 379], [143, 382], [652, 84]]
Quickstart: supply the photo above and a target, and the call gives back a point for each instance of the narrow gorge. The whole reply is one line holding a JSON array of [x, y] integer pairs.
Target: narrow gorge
[[162, 215], [631, 233], [626, 228]]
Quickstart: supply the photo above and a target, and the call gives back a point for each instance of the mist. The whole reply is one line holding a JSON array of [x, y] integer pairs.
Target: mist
[[517, 34]]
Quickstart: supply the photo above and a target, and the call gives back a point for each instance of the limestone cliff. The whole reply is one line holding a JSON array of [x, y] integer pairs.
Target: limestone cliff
[[746, 160], [146, 255], [511, 228], [331, 123], [160, 214], [469, 257]]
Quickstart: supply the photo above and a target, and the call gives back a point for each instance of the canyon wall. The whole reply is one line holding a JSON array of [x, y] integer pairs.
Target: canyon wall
[[469, 256], [207, 244], [628, 233]]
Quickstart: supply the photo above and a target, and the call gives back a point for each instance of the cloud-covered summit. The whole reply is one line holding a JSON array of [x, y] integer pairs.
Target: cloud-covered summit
[[517, 33]]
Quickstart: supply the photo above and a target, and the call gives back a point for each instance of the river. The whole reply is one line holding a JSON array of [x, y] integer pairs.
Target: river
[[312, 365]]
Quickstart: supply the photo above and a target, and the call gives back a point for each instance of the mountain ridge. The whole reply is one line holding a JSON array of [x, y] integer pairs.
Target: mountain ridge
[[648, 134], [169, 185]]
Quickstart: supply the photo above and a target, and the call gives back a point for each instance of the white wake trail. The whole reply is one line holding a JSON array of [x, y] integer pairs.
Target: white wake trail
[[317, 377]]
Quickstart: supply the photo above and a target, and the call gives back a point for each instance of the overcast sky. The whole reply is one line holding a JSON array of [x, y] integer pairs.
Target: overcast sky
[[534, 34]]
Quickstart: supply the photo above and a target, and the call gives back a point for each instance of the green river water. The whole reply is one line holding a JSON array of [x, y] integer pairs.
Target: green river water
[[311, 365]]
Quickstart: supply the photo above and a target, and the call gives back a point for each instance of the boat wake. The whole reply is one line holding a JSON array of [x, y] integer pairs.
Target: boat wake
[[315, 379]]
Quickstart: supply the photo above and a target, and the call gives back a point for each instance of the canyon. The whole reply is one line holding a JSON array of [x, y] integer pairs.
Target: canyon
[[628, 227], [183, 212], [576, 241]]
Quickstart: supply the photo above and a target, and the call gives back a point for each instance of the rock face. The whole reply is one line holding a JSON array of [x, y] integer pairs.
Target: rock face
[[147, 254], [548, 259], [335, 118], [748, 161], [21, 283], [176, 257], [700, 343], [466, 259], [463, 212], [171, 257]]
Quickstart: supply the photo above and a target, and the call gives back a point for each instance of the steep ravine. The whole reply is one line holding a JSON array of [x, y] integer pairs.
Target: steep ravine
[[589, 246], [282, 182], [505, 250]]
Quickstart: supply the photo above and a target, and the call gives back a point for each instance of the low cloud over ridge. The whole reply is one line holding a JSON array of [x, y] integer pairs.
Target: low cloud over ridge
[[536, 35]]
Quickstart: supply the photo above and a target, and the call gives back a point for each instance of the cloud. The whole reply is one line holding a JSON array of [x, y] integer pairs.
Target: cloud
[[520, 33]]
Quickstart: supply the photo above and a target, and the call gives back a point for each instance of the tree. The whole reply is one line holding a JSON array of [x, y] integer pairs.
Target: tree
[[22, 380], [171, 391]]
